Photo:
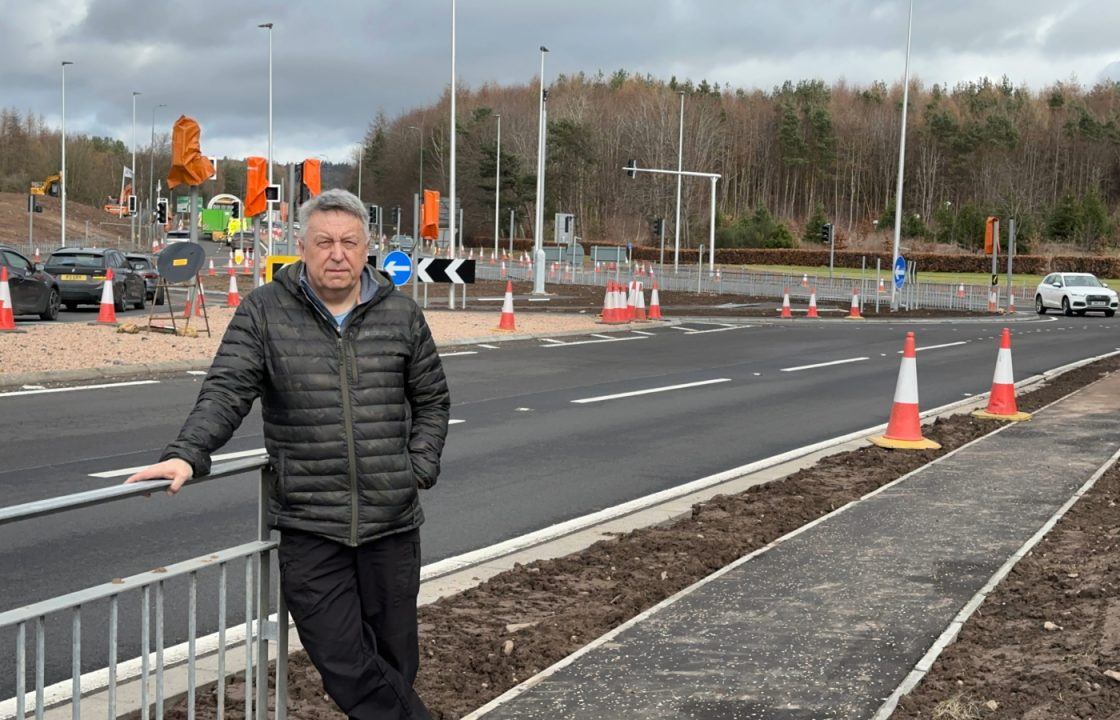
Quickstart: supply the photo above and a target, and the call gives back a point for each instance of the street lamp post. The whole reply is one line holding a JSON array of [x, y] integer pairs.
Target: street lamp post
[[538, 230], [268, 207], [132, 216], [152, 165], [62, 174], [451, 209], [497, 182], [361, 152], [901, 160], [680, 167]]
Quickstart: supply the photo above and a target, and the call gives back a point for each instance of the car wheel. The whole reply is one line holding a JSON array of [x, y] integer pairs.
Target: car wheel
[[1038, 306], [53, 303], [1109, 313], [119, 301], [142, 302], [1066, 308]]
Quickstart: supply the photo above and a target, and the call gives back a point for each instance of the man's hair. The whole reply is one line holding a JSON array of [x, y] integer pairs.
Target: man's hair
[[337, 200]]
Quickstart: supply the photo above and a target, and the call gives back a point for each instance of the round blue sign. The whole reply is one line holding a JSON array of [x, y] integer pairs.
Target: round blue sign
[[399, 267], [900, 272]]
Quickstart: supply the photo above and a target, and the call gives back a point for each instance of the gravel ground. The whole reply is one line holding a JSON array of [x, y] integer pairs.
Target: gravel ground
[[76, 346]]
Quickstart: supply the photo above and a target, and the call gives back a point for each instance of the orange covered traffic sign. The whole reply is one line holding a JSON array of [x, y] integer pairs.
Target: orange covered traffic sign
[[429, 225], [311, 176], [256, 179], [188, 165]]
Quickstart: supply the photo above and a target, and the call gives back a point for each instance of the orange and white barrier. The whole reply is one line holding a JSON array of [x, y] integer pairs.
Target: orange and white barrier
[[233, 298], [107, 314], [7, 315], [904, 429], [1001, 402], [507, 322], [813, 305], [786, 312], [854, 313]]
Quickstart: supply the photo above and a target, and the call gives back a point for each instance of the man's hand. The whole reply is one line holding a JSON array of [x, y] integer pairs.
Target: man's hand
[[176, 470]]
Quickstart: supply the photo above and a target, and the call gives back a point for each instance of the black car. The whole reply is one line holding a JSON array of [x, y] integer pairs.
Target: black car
[[81, 273], [34, 292], [146, 266]]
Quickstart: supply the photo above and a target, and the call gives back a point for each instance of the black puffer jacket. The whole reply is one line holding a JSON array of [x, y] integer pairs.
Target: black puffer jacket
[[354, 419]]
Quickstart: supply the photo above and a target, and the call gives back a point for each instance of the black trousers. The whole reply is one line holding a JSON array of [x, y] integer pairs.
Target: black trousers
[[355, 610]]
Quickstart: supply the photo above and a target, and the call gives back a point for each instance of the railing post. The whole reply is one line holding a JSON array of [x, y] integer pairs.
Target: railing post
[[264, 592]]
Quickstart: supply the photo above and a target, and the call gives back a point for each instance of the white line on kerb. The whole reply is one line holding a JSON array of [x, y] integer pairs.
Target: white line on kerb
[[824, 364], [650, 390], [937, 347], [489, 347], [196, 372], [79, 387], [214, 458], [462, 352]]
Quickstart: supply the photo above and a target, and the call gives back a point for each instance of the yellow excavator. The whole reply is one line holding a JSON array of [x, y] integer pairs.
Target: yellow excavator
[[47, 187]]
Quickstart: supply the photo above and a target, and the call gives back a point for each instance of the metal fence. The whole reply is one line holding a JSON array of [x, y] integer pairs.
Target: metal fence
[[254, 557], [874, 287]]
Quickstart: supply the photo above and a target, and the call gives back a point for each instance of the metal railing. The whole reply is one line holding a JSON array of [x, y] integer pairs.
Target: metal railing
[[916, 295], [259, 629]]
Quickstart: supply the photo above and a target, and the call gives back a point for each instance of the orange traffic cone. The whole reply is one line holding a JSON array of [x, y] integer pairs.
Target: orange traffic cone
[[854, 313], [233, 298], [155, 246], [507, 322], [108, 312], [1001, 402], [38, 258], [1011, 302], [631, 310], [904, 430], [505, 272], [640, 306], [7, 316], [960, 290], [606, 302], [786, 312], [654, 303], [212, 271], [813, 305], [805, 280], [882, 287], [993, 301]]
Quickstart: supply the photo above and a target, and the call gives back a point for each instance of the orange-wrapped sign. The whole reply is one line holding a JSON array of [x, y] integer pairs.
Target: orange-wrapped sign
[[991, 234], [188, 165], [256, 180], [311, 177], [429, 217]]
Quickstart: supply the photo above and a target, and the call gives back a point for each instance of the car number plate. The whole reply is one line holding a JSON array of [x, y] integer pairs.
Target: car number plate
[[78, 278]]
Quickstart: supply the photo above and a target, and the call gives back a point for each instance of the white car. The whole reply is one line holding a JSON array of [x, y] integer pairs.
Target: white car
[[1074, 293]]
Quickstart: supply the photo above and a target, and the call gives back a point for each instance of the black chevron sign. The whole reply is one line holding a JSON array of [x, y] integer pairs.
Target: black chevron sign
[[442, 270]]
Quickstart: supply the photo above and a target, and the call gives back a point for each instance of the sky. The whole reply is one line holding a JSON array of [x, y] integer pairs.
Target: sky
[[336, 63]]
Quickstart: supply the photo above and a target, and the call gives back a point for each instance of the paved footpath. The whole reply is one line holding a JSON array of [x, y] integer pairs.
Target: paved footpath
[[827, 623]]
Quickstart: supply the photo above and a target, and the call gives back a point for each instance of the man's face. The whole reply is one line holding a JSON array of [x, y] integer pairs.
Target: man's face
[[334, 249]]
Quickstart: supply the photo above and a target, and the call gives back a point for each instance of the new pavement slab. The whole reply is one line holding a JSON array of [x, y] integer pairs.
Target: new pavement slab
[[830, 620]]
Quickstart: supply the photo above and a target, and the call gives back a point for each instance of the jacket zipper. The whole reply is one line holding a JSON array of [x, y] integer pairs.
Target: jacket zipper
[[348, 423]]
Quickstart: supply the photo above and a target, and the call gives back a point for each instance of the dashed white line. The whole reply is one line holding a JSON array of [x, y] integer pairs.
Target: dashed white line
[[196, 372], [79, 387], [455, 422], [455, 354], [591, 342], [824, 364], [642, 332], [649, 391], [938, 347], [553, 341], [489, 347]]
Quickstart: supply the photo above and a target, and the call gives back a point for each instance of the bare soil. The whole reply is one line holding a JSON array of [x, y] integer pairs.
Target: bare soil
[[103, 227], [546, 610]]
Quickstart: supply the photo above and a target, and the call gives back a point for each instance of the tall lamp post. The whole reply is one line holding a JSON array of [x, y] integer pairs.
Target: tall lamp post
[[132, 216], [62, 174], [268, 207], [452, 205], [538, 230], [680, 167], [901, 161], [497, 182], [152, 164]]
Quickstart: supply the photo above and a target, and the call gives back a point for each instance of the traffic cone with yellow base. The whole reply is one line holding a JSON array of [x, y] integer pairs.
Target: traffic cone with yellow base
[[1001, 402], [854, 313], [506, 323], [904, 429]]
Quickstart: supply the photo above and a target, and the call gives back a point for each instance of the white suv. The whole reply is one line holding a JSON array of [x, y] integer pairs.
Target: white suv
[[1074, 293]]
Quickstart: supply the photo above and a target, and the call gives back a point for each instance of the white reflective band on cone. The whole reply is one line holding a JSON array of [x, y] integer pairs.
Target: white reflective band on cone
[[906, 391]]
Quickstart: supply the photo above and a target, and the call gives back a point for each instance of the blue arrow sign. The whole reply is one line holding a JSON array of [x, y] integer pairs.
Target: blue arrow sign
[[900, 272], [399, 267]]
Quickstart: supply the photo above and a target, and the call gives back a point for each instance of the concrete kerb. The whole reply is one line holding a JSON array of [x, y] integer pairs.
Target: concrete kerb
[[18, 380], [462, 572]]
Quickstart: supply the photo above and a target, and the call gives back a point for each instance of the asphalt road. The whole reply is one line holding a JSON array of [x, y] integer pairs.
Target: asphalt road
[[525, 456]]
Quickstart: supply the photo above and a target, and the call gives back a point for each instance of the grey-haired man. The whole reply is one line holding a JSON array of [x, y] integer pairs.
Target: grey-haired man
[[355, 407]]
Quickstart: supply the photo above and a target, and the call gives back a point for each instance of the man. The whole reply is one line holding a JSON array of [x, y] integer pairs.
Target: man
[[355, 408]]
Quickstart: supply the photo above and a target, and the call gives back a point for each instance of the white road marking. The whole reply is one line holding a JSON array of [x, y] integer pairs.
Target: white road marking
[[649, 391], [552, 340], [489, 347], [79, 387], [213, 458], [593, 342], [824, 364], [455, 354], [642, 332], [455, 422], [605, 337], [722, 329], [196, 372], [935, 347], [33, 387]]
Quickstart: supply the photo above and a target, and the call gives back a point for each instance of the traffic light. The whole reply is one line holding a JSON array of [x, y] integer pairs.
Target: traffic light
[[632, 167], [655, 225], [161, 211], [826, 233], [235, 209], [272, 193], [374, 215], [131, 204]]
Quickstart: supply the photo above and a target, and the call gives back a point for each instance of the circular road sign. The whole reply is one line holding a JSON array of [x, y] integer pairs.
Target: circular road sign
[[399, 267], [900, 272]]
